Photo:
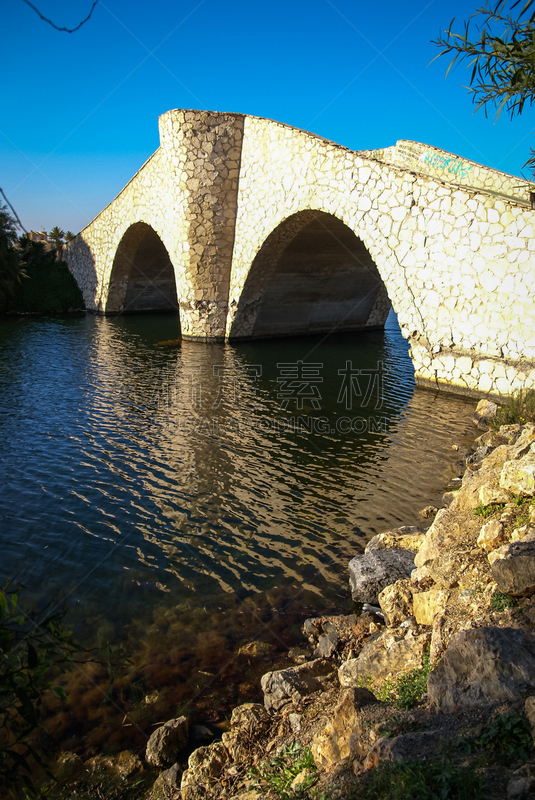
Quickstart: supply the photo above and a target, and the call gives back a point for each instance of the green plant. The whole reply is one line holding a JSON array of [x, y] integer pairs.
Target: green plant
[[500, 601], [519, 408], [278, 774], [508, 736], [406, 692], [488, 511], [415, 780], [32, 654]]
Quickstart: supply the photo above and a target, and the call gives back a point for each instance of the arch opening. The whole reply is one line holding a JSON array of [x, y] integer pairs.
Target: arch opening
[[312, 275], [142, 277]]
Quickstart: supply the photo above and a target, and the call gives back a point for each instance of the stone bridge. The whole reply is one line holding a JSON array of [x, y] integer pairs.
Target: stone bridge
[[253, 228]]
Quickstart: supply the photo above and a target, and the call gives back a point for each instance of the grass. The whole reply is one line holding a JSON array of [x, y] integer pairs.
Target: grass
[[490, 510], [500, 601], [415, 780], [278, 774], [520, 408]]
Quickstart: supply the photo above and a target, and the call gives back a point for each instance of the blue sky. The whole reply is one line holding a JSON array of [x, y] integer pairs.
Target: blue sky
[[80, 112]]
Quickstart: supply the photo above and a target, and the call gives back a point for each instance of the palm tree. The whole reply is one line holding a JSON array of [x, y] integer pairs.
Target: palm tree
[[69, 235], [57, 235]]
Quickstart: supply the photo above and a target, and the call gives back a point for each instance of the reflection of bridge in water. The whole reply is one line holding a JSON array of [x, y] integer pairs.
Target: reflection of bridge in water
[[253, 229], [223, 492]]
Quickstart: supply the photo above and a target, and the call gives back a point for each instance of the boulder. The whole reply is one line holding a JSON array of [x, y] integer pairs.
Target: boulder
[[388, 654], [408, 537], [371, 572], [167, 784], [468, 496], [485, 411], [449, 528], [514, 567], [205, 765], [529, 710], [247, 724], [396, 602], [166, 743], [343, 736], [292, 684], [427, 605], [519, 476], [482, 665], [491, 535]]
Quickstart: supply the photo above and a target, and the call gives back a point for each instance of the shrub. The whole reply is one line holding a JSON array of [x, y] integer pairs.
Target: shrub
[[50, 288]]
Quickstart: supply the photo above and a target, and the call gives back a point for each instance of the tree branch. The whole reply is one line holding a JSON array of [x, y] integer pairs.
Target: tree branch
[[53, 24]]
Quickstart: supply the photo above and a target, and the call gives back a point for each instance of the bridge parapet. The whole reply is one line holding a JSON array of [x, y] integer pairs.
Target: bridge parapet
[[450, 168]]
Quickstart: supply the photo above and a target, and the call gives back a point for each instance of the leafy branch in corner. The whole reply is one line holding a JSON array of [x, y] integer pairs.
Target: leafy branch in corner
[[501, 54]]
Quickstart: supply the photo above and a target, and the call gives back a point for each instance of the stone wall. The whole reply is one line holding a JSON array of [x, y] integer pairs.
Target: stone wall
[[272, 230]]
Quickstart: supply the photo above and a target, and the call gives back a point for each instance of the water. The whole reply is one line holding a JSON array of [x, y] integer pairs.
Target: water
[[184, 499]]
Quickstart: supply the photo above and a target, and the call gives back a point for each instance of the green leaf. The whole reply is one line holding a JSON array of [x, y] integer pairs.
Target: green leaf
[[59, 691]]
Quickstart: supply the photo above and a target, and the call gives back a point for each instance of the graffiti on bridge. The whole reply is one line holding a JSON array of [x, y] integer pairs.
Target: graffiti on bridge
[[452, 164]]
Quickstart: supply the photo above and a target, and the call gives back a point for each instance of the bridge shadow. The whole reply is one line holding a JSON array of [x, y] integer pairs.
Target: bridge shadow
[[312, 275]]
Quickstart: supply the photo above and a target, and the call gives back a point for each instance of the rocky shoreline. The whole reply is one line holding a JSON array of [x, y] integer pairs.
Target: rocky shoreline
[[439, 668]]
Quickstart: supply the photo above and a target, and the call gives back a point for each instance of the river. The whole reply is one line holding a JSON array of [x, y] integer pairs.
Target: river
[[182, 499]]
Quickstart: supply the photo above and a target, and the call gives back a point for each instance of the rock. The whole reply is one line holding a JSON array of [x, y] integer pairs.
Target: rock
[[514, 568], [371, 572], [437, 643], [401, 748], [492, 493], [485, 411], [491, 535], [449, 528], [446, 570], [408, 537], [287, 685], [205, 765], [521, 782], [295, 722], [529, 708], [250, 717], [166, 743], [482, 665], [340, 737], [428, 604], [468, 496], [385, 655], [338, 628], [396, 602], [519, 476], [427, 513], [167, 784]]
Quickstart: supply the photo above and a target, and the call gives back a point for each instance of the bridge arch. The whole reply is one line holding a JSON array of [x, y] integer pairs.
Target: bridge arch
[[142, 275], [312, 274]]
